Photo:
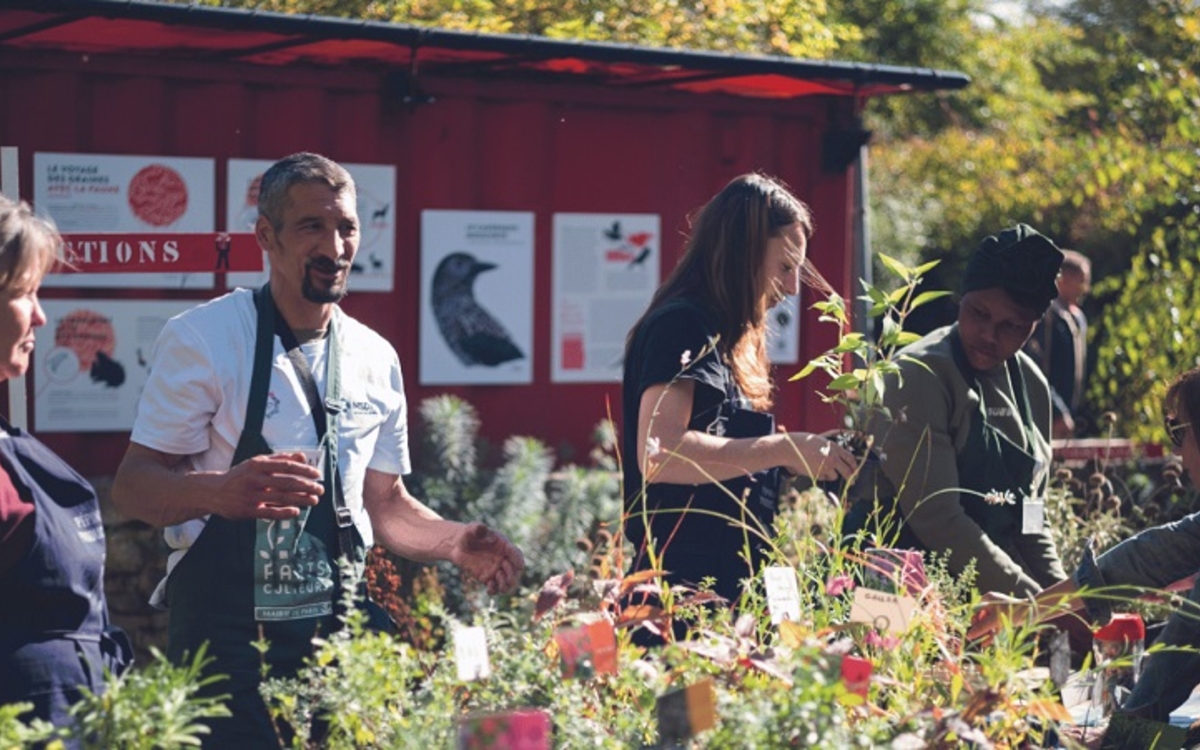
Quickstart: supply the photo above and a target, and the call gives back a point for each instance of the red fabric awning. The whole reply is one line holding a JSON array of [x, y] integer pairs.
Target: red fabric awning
[[183, 32]]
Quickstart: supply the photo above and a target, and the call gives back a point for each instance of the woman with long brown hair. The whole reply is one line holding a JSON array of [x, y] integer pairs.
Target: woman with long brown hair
[[702, 458]]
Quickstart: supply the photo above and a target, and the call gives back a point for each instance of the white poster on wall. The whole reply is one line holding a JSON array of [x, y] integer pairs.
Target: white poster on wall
[[476, 297], [783, 331], [606, 268], [133, 194], [373, 267], [91, 361]]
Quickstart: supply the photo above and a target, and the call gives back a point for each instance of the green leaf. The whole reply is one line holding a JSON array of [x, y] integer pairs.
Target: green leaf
[[925, 297], [845, 382], [895, 266], [806, 371]]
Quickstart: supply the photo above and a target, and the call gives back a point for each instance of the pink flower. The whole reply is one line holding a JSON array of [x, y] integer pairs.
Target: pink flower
[[885, 642], [838, 584]]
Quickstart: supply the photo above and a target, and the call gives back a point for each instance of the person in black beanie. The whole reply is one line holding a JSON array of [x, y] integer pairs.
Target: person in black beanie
[[965, 436]]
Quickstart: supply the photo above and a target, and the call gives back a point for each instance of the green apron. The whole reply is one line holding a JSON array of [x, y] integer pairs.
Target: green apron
[[988, 463], [211, 593]]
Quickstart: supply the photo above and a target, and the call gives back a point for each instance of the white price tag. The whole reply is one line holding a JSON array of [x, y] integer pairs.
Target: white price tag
[[783, 596], [471, 653], [1033, 517]]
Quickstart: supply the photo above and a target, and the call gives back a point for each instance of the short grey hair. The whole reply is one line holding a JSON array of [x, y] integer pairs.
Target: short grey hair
[[300, 168], [29, 244]]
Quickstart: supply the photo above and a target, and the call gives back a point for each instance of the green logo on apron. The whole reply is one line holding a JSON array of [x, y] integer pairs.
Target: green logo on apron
[[292, 575]]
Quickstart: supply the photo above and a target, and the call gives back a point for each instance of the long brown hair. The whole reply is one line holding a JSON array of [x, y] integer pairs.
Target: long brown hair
[[722, 268]]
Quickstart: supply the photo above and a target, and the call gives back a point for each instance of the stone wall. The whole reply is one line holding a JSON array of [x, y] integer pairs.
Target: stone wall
[[137, 557]]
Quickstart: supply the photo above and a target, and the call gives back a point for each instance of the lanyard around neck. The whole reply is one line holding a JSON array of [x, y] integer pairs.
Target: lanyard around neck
[[325, 412]]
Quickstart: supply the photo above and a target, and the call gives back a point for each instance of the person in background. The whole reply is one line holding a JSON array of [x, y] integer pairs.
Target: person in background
[[702, 458], [271, 441], [55, 635], [1059, 343], [966, 431], [1154, 558]]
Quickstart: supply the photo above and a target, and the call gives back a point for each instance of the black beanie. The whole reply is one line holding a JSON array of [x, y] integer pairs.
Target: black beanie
[[1021, 261]]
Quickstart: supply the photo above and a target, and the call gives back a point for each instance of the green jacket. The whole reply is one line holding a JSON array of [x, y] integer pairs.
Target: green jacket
[[931, 407]]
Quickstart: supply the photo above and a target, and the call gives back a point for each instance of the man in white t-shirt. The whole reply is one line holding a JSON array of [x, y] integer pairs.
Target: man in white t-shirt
[[263, 482]]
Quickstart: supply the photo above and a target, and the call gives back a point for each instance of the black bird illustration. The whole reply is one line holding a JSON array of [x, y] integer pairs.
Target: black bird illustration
[[613, 232], [640, 258], [376, 262], [470, 331], [107, 371], [380, 214]]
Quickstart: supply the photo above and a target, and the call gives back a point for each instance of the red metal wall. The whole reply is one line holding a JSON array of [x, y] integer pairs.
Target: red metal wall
[[484, 144]]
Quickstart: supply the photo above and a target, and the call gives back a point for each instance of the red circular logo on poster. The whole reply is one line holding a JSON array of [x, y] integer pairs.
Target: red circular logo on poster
[[158, 195], [85, 332]]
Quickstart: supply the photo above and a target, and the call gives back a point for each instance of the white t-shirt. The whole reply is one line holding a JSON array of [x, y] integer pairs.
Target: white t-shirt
[[194, 402]]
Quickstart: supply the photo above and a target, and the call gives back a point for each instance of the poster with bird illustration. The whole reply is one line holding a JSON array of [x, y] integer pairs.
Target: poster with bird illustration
[[373, 265], [476, 297], [606, 268], [91, 361]]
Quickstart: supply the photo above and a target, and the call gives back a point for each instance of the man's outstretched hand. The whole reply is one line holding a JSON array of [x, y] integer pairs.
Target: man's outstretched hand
[[488, 557]]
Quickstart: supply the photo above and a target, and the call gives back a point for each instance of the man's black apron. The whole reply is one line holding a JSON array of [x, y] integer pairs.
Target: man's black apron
[[989, 463], [211, 593], [55, 636], [700, 531]]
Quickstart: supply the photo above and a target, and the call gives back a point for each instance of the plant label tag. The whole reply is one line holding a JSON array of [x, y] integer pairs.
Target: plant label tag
[[684, 713], [471, 654], [588, 649], [783, 596], [856, 674], [526, 729], [1033, 517], [881, 610]]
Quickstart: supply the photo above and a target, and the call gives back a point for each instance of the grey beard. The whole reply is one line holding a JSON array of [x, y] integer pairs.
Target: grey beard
[[322, 296]]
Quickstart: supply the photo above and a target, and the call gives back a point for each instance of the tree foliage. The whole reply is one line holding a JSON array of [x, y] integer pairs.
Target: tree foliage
[[797, 28], [1082, 119]]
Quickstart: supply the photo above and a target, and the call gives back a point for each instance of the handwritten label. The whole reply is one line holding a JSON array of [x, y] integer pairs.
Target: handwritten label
[[881, 610], [471, 654], [783, 596]]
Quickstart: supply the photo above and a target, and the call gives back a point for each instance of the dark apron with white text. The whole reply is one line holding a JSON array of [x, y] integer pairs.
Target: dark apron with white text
[[55, 636], [700, 531], [211, 592]]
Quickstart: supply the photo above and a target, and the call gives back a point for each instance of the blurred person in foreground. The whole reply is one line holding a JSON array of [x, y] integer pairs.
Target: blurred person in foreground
[[1152, 559], [270, 440], [965, 437], [55, 635], [702, 458]]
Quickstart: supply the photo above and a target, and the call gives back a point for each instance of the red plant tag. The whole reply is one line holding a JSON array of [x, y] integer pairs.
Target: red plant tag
[[588, 650], [856, 674], [526, 729]]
